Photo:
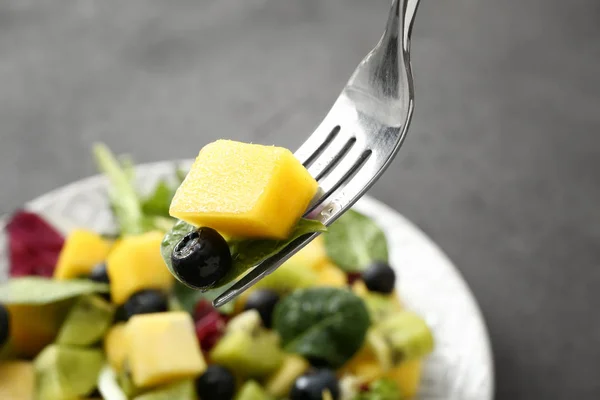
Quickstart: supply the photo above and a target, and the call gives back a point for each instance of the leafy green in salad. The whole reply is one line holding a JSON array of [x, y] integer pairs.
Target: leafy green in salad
[[246, 253], [133, 212], [322, 323], [33, 290], [354, 241], [157, 203], [123, 197]]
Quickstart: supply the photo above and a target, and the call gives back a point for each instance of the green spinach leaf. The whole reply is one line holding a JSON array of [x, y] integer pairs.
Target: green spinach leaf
[[354, 241], [172, 237], [245, 253], [328, 324], [36, 290], [381, 389]]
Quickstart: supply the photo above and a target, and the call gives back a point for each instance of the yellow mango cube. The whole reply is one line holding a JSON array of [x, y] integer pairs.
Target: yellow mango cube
[[312, 256], [364, 366], [162, 348], [115, 346], [407, 376], [279, 383], [136, 264], [80, 254], [330, 275], [245, 190], [17, 380]]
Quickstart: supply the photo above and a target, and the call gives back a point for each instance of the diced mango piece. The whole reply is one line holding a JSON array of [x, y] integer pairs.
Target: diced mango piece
[[245, 190], [330, 275], [280, 382], [81, 252], [408, 377], [115, 346], [136, 264], [360, 289], [162, 348], [17, 380], [312, 256], [366, 367], [363, 365]]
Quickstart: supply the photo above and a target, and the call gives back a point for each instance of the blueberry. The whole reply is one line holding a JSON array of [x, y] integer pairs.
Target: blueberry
[[318, 362], [311, 386], [263, 301], [201, 258], [99, 274], [217, 383], [4, 325], [379, 277], [120, 315], [145, 302]]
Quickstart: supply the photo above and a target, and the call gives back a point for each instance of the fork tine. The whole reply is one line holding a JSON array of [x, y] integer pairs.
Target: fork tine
[[314, 146], [352, 163], [330, 158]]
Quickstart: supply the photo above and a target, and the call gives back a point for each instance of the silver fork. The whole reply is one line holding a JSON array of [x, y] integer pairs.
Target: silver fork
[[358, 138]]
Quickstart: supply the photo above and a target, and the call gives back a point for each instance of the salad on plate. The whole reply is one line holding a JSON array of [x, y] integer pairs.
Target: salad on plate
[[128, 314]]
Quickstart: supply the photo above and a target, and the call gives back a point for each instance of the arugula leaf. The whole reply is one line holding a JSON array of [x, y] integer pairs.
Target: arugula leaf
[[128, 166], [354, 241], [188, 298], [156, 222], [159, 201], [329, 324], [134, 215], [34, 290], [381, 389], [245, 253], [123, 197]]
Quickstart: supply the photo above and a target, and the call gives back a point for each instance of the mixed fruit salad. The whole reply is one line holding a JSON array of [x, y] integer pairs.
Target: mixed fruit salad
[[128, 314]]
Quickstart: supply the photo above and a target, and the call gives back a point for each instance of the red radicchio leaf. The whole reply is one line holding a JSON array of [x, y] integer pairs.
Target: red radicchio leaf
[[34, 245]]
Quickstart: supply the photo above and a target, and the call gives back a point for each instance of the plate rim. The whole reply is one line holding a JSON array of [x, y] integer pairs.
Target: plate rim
[[365, 203]]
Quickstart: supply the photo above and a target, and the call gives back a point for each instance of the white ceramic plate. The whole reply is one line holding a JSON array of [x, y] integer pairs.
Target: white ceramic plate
[[461, 367]]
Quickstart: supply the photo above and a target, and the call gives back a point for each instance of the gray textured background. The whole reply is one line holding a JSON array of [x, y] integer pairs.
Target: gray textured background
[[501, 166]]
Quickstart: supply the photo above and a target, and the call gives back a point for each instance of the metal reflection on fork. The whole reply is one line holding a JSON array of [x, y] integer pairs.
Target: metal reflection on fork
[[358, 138]]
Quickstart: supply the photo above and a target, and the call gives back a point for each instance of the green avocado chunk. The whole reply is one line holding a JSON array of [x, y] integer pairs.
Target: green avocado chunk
[[87, 322], [407, 336], [183, 390], [252, 391], [247, 348], [66, 373]]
